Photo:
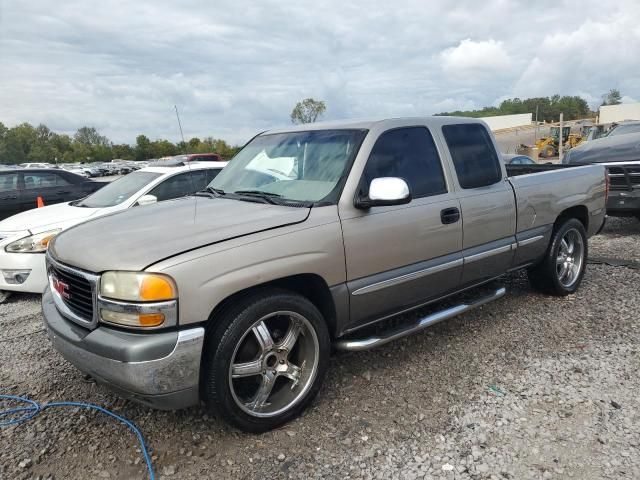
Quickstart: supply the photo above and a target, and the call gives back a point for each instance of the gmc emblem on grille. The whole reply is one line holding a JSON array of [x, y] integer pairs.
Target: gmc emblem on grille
[[60, 287]]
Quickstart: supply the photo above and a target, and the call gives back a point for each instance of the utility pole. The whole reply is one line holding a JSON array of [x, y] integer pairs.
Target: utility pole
[[560, 145], [535, 132]]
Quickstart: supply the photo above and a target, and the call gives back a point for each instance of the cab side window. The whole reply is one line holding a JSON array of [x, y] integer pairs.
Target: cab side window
[[408, 153], [473, 154]]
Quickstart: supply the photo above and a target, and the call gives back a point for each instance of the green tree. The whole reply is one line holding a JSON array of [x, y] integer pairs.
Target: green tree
[[143, 148], [17, 144], [163, 148], [123, 151], [90, 136], [613, 97], [308, 111], [549, 108]]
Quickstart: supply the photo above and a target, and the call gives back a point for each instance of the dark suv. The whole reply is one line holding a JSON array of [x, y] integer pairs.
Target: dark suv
[[20, 188]]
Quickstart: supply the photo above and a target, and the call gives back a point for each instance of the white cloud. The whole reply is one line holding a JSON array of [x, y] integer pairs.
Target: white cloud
[[235, 68], [475, 57], [588, 60]]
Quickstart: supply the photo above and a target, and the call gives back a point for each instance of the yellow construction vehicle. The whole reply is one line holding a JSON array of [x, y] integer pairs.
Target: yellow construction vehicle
[[548, 146]]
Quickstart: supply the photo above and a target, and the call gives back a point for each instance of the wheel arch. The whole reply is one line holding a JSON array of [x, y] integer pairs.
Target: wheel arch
[[579, 212], [309, 285]]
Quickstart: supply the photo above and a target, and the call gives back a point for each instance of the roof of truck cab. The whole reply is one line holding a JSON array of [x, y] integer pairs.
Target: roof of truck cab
[[368, 124]]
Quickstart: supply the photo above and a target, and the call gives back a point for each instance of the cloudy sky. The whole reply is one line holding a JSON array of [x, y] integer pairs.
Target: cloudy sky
[[235, 68]]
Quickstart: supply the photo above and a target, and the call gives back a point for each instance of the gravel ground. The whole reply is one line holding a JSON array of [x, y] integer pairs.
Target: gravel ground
[[526, 387]]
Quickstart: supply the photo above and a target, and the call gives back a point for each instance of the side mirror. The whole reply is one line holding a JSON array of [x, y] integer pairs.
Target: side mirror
[[147, 200], [385, 191]]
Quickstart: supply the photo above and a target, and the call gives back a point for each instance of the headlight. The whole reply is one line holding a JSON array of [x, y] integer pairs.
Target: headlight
[[137, 286], [37, 243], [138, 299]]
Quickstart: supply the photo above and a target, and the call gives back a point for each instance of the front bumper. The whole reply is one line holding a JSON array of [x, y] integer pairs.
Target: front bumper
[[623, 203], [33, 262], [159, 369]]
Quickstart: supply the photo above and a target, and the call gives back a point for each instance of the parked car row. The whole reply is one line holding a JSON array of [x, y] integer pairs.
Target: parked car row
[[235, 296], [24, 237]]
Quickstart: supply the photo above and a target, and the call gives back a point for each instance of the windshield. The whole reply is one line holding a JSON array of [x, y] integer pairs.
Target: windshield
[[297, 166], [623, 129], [118, 191]]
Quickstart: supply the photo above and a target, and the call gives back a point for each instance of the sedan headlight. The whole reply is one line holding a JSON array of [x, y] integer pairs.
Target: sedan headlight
[[37, 243], [138, 299]]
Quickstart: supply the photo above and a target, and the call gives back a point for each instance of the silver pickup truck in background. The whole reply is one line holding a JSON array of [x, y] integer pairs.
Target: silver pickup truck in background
[[312, 237]]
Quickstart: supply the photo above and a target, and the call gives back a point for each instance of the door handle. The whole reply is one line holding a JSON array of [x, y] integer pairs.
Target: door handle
[[449, 215], [63, 191], [8, 198]]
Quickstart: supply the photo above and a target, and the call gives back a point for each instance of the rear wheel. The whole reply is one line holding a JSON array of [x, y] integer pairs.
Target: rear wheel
[[266, 360], [563, 266]]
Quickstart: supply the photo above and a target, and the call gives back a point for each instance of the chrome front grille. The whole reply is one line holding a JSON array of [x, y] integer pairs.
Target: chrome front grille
[[74, 292]]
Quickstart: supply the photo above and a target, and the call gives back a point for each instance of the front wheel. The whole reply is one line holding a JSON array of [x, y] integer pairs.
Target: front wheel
[[548, 151], [563, 266], [266, 360], [4, 296]]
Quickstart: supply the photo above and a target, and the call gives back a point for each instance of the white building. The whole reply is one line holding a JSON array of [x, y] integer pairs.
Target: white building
[[617, 113]]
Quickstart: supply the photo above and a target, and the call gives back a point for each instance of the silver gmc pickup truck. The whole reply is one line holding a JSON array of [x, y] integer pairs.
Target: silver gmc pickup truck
[[313, 237]]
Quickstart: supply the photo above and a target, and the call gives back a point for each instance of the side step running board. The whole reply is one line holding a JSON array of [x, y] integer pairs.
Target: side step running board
[[356, 345]]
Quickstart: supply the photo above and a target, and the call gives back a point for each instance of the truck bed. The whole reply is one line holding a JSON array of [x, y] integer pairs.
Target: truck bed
[[543, 191]]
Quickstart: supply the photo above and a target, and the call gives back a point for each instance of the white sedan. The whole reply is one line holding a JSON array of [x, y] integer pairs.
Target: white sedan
[[24, 237]]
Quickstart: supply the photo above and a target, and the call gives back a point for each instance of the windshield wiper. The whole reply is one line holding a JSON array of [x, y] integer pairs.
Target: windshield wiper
[[218, 191], [266, 196], [210, 192]]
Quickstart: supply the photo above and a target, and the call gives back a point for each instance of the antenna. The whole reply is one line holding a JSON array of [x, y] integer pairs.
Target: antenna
[[188, 163], [180, 125]]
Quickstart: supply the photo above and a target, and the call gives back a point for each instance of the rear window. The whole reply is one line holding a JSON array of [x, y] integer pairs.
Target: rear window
[[473, 154]]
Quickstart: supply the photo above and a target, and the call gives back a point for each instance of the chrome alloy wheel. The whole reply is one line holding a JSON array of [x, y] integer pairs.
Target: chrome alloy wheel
[[274, 364], [570, 258]]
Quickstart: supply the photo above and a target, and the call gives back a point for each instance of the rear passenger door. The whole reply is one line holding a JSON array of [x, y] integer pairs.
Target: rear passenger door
[[487, 202], [49, 185], [9, 194], [400, 256]]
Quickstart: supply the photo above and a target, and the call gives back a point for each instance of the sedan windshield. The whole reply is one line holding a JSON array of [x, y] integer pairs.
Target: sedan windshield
[[118, 191], [298, 166]]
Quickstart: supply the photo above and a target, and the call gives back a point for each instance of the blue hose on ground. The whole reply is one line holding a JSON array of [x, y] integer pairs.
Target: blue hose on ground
[[33, 408]]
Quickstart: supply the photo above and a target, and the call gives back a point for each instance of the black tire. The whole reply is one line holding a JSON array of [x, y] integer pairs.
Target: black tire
[[545, 276], [548, 151], [4, 295], [233, 331]]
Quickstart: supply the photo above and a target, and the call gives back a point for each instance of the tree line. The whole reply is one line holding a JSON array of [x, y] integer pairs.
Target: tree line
[[549, 108], [26, 143]]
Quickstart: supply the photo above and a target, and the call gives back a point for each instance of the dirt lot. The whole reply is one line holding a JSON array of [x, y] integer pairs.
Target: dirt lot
[[526, 387]]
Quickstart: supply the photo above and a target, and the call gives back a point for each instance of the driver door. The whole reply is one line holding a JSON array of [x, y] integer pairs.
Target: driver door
[[400, 256]]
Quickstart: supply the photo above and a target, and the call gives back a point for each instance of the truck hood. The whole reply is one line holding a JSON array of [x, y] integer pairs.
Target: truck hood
[[142, 236], [39, 220], [619, 148]]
